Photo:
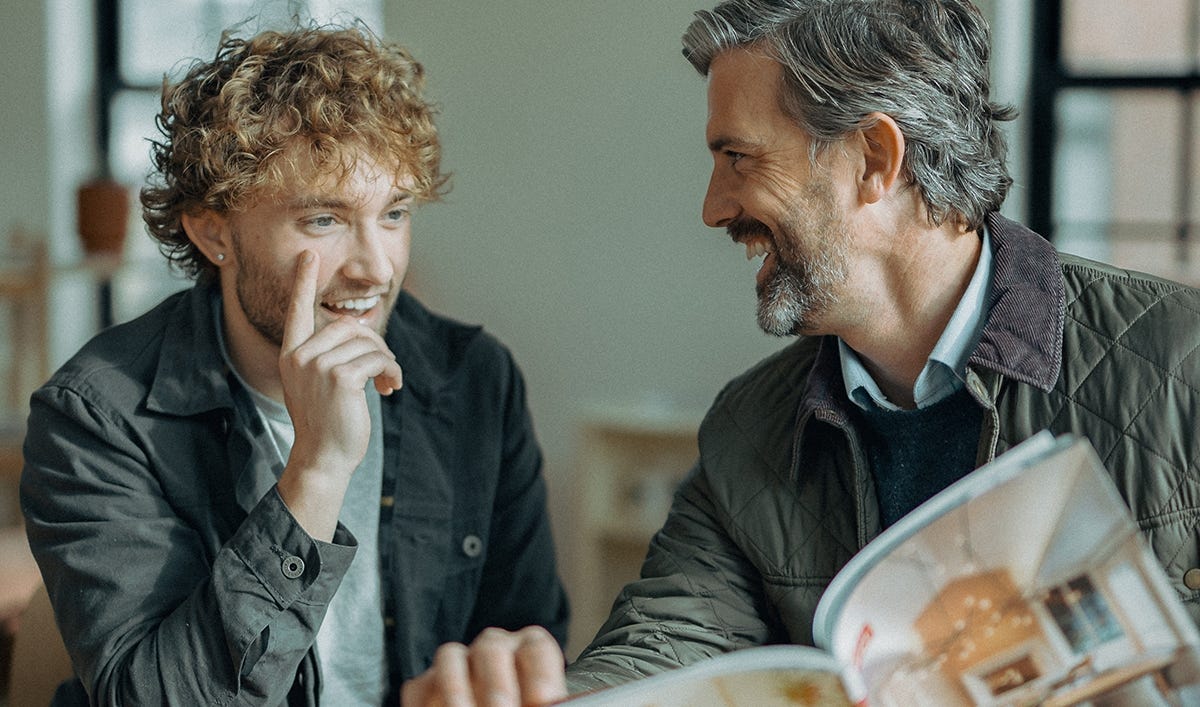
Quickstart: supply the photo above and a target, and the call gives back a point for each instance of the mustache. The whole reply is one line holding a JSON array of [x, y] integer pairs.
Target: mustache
[[746, 228]]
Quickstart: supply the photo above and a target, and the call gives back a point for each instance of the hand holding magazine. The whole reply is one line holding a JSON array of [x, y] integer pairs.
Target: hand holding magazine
[[1025, 583]]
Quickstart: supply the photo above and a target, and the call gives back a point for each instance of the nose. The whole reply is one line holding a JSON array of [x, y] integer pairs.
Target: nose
[[374, 255], [719, 205]]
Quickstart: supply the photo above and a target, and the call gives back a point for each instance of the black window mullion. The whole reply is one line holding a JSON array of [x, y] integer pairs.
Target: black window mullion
[[108, 76], [1046, 76], [1050, 77]]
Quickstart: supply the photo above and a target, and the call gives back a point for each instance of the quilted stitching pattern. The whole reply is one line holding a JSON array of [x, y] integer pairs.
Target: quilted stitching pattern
[[1133, 387]]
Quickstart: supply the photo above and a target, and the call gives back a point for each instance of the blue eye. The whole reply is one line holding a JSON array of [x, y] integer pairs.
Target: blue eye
[[398, 214], [322, 221]]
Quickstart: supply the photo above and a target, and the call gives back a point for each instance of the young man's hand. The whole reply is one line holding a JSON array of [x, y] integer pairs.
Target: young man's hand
[[325, 373], [499, 669]]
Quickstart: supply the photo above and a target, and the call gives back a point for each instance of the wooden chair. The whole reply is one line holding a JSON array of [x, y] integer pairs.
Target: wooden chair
[[24, 287], [24, 292]]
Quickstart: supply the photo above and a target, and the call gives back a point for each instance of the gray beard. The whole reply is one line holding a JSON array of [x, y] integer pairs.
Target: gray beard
[[783, 305], [796, 295]]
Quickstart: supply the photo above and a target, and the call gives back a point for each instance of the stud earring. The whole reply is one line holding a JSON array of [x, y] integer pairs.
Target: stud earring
[[220, 256]]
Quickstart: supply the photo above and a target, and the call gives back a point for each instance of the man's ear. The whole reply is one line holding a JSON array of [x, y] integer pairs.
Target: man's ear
[[209, 231], [883, 156]]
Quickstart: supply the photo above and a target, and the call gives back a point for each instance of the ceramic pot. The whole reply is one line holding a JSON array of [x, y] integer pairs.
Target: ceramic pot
[[103, 216]]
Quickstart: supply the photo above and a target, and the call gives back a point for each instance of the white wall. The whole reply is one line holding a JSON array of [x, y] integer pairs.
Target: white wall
[[1011, 48], [24, 179], [575, 132]]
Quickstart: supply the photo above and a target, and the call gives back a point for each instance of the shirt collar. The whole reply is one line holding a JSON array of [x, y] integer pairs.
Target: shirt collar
[[943, 372]]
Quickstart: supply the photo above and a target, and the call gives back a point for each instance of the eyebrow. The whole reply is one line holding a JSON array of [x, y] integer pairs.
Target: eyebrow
[[719, 143], [305, 203], [722, 142]]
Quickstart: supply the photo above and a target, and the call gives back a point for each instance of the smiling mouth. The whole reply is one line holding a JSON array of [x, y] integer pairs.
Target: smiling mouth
[[762, 249], [758, 248], [353, 307], [754, 236]]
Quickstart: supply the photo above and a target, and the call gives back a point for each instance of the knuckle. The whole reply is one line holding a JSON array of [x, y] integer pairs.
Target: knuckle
[[448, 651], [493, 635], [454, 692], [537, 634], [415, 691], [343, 376]]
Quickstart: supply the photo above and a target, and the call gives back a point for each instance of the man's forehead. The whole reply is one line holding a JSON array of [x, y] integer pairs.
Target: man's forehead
[[329, 169], [743, 87]]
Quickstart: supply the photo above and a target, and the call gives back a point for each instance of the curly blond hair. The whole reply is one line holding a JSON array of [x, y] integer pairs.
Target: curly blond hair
[[235, 127]]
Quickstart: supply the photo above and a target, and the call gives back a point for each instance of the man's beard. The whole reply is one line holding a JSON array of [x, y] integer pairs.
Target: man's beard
[[809, 264], [265, 294]]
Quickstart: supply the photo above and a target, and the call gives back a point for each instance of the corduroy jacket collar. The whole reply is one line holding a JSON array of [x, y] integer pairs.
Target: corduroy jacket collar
[[1021, 337]]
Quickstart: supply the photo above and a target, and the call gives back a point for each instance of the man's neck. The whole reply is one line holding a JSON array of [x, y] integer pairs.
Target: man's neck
[[260, 372], [909, 299], [254, 357]]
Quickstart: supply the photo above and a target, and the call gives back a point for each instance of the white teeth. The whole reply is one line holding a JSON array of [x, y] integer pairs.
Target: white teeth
[[360, 304], [756, 249]]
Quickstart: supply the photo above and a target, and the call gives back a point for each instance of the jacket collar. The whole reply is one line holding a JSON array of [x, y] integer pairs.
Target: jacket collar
[[1021, 337], [191, 377], [428, 348], [1027, 306]]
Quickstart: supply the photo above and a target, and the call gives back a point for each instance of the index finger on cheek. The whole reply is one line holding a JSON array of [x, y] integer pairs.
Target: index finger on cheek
[[300, 323]]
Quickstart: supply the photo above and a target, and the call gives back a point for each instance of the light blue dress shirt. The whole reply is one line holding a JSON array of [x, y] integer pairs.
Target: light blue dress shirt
[[944, 370]]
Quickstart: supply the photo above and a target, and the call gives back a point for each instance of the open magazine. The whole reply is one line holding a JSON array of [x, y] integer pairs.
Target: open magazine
[[1024, 583]]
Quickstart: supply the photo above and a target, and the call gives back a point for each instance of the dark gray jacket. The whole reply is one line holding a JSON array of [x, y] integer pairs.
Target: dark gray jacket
[[170, 559], [782, 496]]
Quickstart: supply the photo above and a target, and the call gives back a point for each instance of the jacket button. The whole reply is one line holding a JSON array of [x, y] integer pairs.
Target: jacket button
[[1191, 579], [472, 546], [293, 567]]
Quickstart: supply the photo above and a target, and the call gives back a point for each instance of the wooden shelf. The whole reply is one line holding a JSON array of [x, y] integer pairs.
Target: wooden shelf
[[630, 461]]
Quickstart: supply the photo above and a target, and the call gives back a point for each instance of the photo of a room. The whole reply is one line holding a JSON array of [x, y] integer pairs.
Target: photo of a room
[[1007, 602]]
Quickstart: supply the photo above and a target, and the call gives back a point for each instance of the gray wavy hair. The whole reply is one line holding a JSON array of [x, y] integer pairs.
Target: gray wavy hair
[[924, 63]]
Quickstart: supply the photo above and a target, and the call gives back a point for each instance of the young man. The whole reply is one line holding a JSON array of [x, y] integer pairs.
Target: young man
[[290, 483], [857, 152]]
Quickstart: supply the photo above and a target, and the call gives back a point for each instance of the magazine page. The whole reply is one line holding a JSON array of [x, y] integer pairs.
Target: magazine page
[[770, 676], [1024, 583]]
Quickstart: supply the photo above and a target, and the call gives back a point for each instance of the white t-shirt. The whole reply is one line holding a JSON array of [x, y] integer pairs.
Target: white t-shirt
[[350, 641]]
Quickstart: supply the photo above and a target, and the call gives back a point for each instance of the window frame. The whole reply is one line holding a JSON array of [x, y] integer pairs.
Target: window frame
[[1050, 77]]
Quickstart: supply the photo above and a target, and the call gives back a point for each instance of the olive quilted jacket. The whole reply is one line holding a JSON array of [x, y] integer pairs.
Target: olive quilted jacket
[[781, 496]]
